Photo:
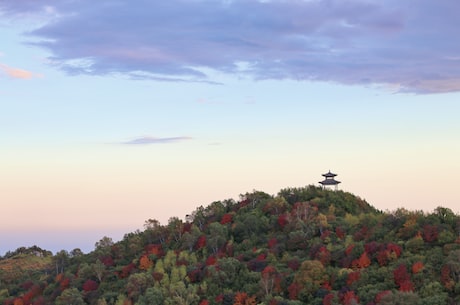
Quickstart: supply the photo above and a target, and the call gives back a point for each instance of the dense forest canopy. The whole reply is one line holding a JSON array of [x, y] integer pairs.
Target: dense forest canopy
[[302, 246]]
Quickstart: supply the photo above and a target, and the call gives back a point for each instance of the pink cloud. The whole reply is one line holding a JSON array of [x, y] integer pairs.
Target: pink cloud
[[17, 73]]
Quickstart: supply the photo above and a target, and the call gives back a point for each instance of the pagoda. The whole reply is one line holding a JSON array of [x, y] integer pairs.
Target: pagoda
[[329, 180]]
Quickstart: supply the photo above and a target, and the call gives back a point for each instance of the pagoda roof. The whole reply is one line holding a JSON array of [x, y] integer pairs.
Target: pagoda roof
[[329, 175], [329, 182]]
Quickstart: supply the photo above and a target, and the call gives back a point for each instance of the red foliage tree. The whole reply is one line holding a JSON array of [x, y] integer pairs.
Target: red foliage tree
[[64, 284], [340, 233], [417, 267], [155, 249], [372, 247], [349, 298], [430, 233], [294, 264], [18, 301], [107, 260], [446, 279], [382, 257], [324, 256], [282, 220], [394, 249], [219, 298], [327, 286], [268, 279], [201, 242], [40, 300], [362, 262], [406, 286], [126, 270], [349, 249], [353, 277], [294, 290], [380, 295], [33, 291], [90, 285], [327, 300], [402, 278], [211, 260], [272, 243], [227, 218]]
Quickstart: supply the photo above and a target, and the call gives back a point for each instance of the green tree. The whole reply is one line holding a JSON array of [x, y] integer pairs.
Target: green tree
[[153, 295], [138, 284], [99, 270], [103, 246], [190, 238], [155, 232], [182, 294], [70, 296], [433, 293], [61, 260], [217, 236], [400, 298], [311, 276]]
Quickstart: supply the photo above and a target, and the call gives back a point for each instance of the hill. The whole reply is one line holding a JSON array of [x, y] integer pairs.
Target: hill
[[302, 246]]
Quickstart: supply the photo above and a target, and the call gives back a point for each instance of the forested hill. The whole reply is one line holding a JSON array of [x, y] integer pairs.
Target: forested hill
[[302, 246]]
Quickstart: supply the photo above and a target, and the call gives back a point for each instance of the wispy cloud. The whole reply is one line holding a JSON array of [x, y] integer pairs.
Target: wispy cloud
[[17, 73], [358, 42], [154, 140]]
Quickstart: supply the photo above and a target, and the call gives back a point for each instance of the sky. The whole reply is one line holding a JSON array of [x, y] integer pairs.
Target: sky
[[116, 112]]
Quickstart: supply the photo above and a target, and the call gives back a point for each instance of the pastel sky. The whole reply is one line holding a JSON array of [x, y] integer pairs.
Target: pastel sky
[[114, 112]]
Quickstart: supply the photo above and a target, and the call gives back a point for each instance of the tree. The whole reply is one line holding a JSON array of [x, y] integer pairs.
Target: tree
[[433, 293], [61, 260], [99, 269], [268, 279], [176, 228], [89, 285], [190, 239], [400, 298], [242, 298], [349, 298], [155, 232], [70, 296], [445, 215], [402, 278], [103, 246], [311, 276], [76, 253], [145, 263], [217, 236], [153, 295], [362, 262], [183, 294], [138, 284]]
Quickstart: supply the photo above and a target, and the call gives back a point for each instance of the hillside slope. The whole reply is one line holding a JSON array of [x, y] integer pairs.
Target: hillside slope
[[302, 246]]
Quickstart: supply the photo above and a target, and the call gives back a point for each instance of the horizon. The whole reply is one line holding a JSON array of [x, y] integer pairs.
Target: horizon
[[115, 113], [83, 237]]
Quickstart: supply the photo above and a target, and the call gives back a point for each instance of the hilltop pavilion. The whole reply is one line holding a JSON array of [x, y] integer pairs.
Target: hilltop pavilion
[[329, 180]]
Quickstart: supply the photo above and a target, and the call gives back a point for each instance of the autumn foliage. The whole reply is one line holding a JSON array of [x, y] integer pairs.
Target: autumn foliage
[[302, 246]]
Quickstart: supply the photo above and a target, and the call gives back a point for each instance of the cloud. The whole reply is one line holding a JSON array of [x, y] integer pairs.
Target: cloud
[[17, 73], [154, 140], [393, 44]]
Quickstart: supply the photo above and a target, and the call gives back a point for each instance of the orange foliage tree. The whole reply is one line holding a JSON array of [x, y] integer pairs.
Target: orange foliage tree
[[242, 298], [145, 263]]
